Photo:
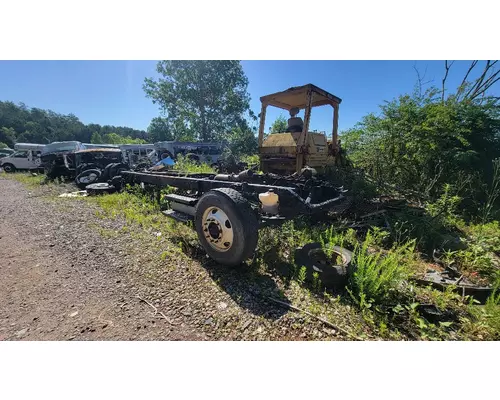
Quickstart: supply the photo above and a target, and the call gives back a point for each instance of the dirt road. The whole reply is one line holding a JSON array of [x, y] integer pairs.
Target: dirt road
[[58, 283]]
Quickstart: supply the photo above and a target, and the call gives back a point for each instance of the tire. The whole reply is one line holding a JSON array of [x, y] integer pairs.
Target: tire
[[315, 260], [225, 213], [87, 177], [96, 189], [117, 182], [9, 168], [84, 167], [106, 171], [116, 170]]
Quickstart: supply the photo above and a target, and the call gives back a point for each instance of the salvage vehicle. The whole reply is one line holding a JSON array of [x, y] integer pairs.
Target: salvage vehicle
[[208, 153], [290, 151], [97, 165], [138, 154], [25, 157], [58, 159], [228, 209]]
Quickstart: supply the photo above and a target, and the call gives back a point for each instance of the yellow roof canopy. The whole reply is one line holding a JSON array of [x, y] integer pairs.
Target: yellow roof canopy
[[297, 97]]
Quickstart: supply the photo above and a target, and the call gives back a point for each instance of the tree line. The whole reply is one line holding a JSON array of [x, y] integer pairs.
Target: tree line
[[21, 124]]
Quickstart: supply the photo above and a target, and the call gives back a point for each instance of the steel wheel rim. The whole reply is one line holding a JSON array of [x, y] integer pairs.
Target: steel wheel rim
[[217, 229]]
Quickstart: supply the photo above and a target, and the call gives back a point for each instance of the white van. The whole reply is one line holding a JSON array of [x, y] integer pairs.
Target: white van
[[26, 156]]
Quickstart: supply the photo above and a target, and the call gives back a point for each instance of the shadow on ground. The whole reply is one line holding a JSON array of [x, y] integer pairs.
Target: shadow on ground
[[247, 286]]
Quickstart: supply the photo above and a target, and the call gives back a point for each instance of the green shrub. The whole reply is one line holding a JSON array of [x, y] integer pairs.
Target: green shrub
[[183, 164], [377, 276]]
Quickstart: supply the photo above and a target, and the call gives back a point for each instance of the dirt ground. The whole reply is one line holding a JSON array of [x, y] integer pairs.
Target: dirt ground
[[62, 279], [57, 284]]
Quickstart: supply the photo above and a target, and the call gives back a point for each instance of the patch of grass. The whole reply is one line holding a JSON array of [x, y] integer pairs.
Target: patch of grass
[[140, 211], [183, 164], [483, 322], [25, 178]]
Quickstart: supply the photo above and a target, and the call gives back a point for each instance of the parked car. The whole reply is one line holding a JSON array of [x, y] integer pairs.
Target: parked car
[[26, 156]]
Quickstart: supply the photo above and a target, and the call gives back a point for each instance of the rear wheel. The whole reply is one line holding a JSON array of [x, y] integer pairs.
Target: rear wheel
[[9, 168], [226, 225]]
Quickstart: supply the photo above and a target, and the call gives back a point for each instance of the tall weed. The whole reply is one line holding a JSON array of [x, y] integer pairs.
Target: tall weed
[[377, 276]]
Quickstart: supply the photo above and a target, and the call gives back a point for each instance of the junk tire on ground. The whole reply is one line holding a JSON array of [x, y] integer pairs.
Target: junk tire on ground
[[226, 225], [314, 259], [116, 169], [100, 188], [480, 293], [87, 177], [9, 168]]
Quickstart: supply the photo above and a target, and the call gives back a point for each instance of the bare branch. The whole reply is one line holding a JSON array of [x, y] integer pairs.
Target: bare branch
[[472, 65], [447, 68], [488, 82], [479, 81], [484, 89], [420, 79], [464, 81]]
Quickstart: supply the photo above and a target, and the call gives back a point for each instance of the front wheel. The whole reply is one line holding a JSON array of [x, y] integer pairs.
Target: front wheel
[[226, 225], [9, 168]]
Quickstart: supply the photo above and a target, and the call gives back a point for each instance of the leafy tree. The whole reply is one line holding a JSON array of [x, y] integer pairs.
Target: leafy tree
[[201, 99], [280, 125], [159, 130], [113, 138], [3, 145], [419, 143], [8, 136], [96, 138], [243, 141]]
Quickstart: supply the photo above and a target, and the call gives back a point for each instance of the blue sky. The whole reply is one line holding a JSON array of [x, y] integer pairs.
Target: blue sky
[[110, 92]]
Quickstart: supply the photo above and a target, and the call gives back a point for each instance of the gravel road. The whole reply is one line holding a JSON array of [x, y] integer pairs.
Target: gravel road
[[58, 282], [62, 278]]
